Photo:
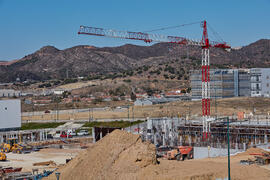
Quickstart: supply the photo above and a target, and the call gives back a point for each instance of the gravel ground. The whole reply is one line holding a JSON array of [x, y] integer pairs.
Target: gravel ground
[[26, 161]]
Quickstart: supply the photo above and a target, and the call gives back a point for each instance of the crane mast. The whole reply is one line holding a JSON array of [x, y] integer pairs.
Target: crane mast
[[148, 38]]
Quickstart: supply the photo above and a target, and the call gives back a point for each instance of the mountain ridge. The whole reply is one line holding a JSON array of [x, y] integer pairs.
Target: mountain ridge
[[51, 63]]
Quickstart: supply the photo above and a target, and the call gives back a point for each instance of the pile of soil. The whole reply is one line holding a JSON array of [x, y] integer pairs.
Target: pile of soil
[[117, 156]]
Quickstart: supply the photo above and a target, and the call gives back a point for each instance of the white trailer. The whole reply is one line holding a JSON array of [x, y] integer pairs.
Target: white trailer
[[10, 114]]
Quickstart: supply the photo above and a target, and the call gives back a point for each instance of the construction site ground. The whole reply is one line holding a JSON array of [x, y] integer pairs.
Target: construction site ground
[[123, 156], [26, 161]]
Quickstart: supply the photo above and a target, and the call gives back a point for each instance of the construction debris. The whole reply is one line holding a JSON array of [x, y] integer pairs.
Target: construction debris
[[261, 157], [46, 163]]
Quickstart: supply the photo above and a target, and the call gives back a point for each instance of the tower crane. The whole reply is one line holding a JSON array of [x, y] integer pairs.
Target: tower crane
[[204, 43]]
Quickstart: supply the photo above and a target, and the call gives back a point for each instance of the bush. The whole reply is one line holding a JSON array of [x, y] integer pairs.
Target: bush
[[119, 124], [172, 77], [166, 76], [139, 72], [45, 85], [28, 126], [127, 80], [68, 81], [145, 68]]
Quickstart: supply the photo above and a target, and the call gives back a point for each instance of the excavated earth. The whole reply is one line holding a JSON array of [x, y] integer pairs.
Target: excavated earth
[[123, 156]]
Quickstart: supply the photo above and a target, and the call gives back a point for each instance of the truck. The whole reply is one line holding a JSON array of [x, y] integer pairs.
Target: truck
[[12, 145], [180, 153], [3, 156]]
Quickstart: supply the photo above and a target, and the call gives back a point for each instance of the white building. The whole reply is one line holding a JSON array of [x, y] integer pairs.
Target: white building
[[260, 82], [58, 91], [9, 93], [142, 102], [10, 114]]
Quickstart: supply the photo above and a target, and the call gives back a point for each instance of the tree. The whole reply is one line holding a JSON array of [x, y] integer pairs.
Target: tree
[[183, 91], [133, 96], [65, 94]]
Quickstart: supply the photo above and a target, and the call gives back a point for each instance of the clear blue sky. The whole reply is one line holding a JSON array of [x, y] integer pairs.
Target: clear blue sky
[[27, 25]]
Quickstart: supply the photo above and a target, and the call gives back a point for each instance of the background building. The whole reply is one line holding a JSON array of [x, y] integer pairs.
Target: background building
[[224, 83], [10, 114], [260, 82], [9, 93]]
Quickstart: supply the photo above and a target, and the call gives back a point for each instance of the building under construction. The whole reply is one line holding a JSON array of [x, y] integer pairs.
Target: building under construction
[[178, 131]]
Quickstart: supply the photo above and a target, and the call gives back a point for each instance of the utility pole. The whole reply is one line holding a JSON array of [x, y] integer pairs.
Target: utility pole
[[215, 98], [92, 114], [128, 112], [228, 137], [57, 111], [133, 112], [89, 115], [67, 73]]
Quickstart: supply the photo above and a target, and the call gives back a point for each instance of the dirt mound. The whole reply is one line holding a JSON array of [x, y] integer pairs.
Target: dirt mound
[[117, 156]]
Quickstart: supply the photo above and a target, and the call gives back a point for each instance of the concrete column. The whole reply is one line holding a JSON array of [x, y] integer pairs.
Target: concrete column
[[100, 134], [93, 135], [155, 139], [40, 135], [149, 129], [163, 140], [181, 140], [43, 135], [189, 139], [32, 138], [256, 140]]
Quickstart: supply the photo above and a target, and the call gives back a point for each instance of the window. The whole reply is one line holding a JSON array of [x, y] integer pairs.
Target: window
[[267, 85], [267, 77]]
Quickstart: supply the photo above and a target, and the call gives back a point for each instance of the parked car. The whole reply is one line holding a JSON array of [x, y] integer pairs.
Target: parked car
[[72, 133], [65, 135], [83, 132], [57, 134], [47, 111]]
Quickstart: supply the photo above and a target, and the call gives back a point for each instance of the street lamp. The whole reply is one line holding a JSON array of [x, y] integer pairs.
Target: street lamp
[[228, 137], [57, 174]]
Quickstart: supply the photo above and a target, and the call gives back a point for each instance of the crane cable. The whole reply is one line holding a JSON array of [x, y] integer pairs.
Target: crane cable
[[219, 38], [172, 27]]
